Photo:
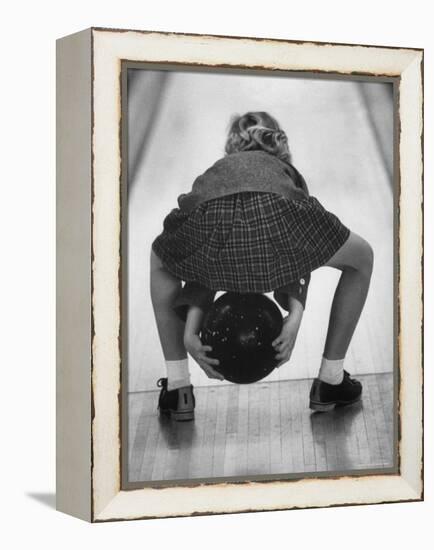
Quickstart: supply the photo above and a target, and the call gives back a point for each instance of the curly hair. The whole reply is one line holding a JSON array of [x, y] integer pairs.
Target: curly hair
[[257, 131]]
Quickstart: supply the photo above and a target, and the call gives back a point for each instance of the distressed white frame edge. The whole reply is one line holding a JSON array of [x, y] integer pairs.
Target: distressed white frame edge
[[109, 48]]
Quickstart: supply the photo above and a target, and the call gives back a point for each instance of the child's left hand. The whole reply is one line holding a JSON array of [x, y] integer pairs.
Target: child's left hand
[[284, 343]]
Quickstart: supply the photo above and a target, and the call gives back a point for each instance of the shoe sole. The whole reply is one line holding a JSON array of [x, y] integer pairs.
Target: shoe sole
[[178, 416], [326, 407]]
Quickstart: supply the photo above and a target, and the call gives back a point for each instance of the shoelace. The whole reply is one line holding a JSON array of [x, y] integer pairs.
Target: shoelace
[[162, 383], [349, 378]]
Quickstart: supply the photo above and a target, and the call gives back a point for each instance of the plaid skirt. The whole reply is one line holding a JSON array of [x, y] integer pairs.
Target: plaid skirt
[[249, 242]]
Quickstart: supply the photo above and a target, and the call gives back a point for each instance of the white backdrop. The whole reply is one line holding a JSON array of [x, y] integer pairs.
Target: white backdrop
[[27, 222]]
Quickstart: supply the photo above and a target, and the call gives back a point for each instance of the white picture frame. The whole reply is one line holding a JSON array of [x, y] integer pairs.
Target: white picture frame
[[89, 305]]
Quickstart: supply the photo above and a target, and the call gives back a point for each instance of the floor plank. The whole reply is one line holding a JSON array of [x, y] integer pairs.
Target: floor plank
[[261, 429]]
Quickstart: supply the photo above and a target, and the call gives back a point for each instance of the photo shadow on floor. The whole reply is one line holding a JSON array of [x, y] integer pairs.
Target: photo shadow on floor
[[47, 499]]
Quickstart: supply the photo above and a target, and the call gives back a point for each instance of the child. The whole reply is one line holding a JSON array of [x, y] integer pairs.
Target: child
[[250, 225]]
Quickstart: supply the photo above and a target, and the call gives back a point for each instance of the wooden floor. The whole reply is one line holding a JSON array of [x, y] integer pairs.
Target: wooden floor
[[264, 428]]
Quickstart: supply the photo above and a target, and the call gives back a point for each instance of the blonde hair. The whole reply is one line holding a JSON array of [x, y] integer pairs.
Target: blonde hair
[[257, 131]]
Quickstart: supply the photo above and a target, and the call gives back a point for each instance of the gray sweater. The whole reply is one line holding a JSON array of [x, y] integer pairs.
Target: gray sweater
[[236, 173], [242, 172]]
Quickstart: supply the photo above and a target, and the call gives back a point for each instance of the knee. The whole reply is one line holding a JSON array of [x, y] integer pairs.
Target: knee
[[369, 256], [164, 286], [366, 261], [356, 254], [155, 262]]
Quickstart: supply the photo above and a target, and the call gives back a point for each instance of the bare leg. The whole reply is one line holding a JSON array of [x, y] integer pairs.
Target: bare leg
[[355, 260], [164, 288]]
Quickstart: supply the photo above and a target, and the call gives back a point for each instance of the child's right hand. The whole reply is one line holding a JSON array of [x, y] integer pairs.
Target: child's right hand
[[284, 343], [198, 351]]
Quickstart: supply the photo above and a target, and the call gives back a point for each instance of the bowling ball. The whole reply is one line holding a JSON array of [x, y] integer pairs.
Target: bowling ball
[[240, 328]]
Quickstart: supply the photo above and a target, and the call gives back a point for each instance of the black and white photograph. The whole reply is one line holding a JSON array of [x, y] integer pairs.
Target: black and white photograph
[[258, 275], [217, 265]]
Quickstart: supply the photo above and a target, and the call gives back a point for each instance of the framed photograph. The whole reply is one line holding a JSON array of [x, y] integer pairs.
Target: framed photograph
[[239, 274]]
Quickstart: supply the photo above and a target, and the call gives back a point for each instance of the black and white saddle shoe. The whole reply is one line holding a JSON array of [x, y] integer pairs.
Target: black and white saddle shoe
[[177, 404], [325, 397]]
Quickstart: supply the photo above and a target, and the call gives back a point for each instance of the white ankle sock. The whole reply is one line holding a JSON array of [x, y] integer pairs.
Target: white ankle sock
[[178, 374], [331, 372]]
